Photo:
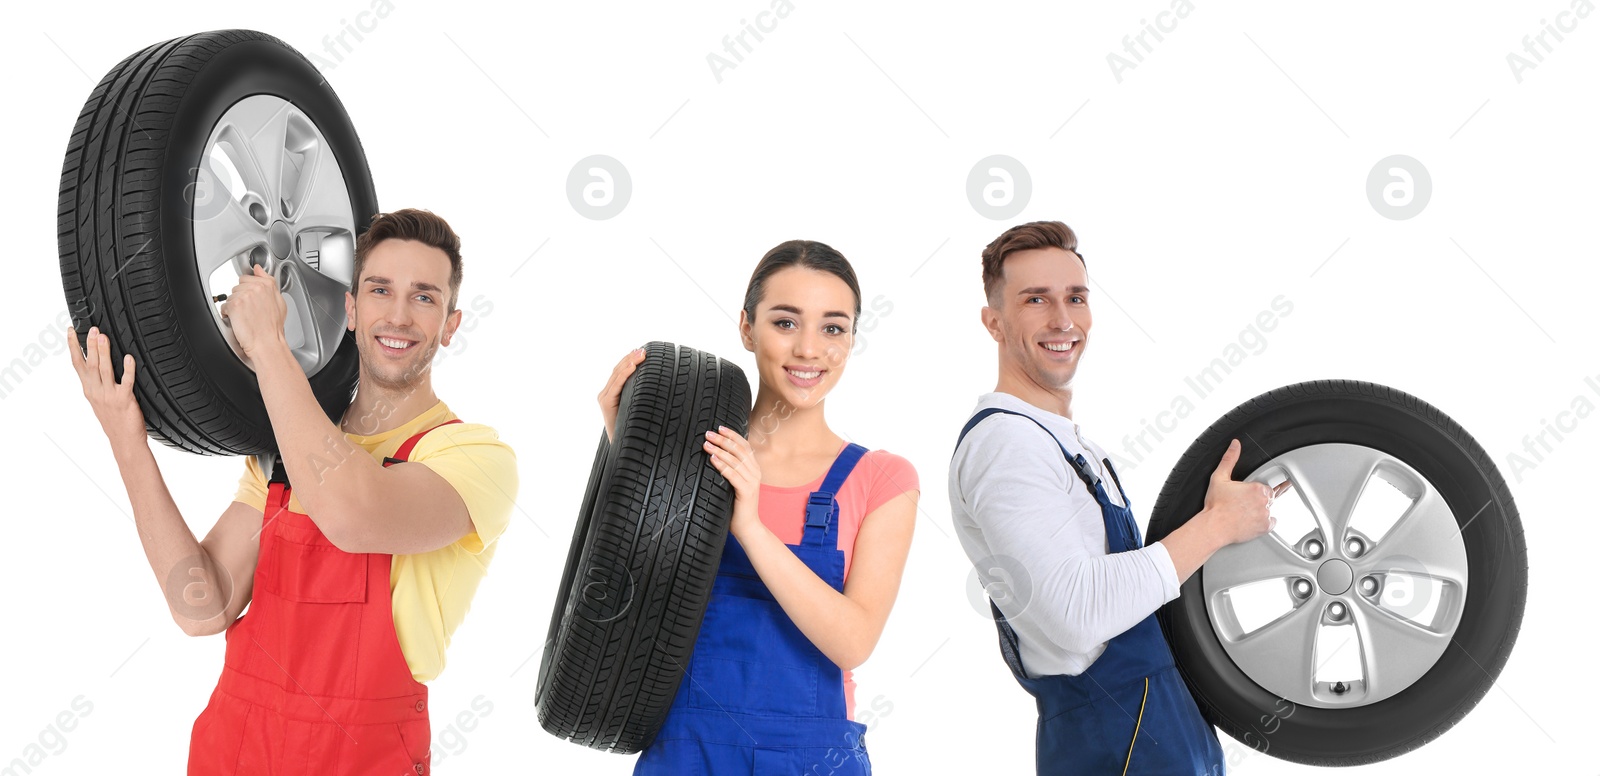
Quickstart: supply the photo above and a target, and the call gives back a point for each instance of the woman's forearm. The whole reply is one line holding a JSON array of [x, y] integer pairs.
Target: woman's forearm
[[841, 628]]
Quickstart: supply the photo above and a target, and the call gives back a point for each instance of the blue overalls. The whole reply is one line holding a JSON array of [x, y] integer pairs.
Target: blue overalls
[[758, 697], [1129, 712]]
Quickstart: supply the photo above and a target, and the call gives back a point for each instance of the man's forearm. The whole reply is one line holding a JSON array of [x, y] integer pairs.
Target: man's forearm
[[176, 557], [1192, 544], [330, 474]]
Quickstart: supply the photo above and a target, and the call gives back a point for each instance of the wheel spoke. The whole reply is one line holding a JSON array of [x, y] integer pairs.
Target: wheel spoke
[[1281, 655], [1265, 557], [237, 142], [319, 199], [268, 144], [1425, 541], [302, 149], [219, 239], [1330, 479], [329, 250], [318, 302], [1395, 652]]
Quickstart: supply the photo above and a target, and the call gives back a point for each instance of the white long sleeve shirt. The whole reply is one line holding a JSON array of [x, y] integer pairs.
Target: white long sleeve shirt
[[1023, 516]]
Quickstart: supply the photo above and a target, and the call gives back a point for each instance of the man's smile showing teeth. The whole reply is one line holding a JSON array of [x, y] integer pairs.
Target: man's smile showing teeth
[[394, 344], [1060, 347]]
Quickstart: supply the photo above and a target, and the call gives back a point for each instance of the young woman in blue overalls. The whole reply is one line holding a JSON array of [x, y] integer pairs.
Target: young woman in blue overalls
[[765, 690]]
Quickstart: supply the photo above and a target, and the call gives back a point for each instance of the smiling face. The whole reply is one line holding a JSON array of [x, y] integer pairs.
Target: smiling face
[[802, 334], [1041, 317], [399, 312]]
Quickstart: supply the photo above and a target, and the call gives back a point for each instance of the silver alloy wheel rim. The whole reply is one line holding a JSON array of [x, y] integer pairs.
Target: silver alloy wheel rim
[[1424, 543], [270, 192]]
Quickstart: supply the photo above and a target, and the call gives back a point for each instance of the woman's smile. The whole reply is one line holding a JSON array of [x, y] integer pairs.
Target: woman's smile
[[804, 376]]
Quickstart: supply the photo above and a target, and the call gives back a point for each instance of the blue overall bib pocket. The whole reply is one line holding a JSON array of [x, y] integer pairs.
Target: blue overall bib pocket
[[739, 659]]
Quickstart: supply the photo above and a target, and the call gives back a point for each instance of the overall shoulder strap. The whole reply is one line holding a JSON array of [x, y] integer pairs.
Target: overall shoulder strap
[[1078, 462], [404, 453], [275, 474], [277, 484], [822, 510], [978, 418], [1010, 645], [1112, 470]]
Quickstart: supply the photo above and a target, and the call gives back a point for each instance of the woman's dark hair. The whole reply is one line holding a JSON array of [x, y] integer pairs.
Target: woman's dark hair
[[801, 253]]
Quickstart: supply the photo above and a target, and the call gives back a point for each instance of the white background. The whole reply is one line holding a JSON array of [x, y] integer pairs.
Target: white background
[[1227, 168]]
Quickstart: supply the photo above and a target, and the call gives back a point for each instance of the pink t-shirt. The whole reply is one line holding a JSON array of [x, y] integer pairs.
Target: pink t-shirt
[[878, 477]]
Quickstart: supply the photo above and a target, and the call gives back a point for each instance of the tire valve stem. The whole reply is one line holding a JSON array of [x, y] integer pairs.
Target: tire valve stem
[[220, 298], [1339, 688]]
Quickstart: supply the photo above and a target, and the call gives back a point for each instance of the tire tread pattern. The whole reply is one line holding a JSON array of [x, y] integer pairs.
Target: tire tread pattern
[[655, 519]]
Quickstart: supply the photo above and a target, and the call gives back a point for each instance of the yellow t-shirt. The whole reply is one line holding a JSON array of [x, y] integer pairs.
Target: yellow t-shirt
[[432, 591]]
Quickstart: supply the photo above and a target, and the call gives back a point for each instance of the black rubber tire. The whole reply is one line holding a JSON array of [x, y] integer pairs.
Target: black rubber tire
[[126, 239], [1419, 434], [644, 554]]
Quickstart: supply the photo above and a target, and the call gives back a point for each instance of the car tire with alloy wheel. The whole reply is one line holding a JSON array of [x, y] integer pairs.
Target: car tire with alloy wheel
[[193, 160], [1387, 598]]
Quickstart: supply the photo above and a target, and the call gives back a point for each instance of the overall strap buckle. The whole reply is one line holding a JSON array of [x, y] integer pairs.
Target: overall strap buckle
[[1085, 471], [277, 473], [277, 484], [819, 509]]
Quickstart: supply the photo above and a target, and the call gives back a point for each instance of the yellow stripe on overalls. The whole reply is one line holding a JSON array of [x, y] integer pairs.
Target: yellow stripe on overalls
[[1136, 725]]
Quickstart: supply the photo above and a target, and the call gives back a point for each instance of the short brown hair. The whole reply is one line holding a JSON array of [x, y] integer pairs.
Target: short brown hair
[[411, 224], [1035, 234]]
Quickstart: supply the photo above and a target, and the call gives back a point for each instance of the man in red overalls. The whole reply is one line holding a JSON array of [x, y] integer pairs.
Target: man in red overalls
[[316, 679]]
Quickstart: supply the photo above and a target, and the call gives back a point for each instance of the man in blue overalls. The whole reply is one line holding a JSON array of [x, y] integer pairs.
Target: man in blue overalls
[[1074, 588]]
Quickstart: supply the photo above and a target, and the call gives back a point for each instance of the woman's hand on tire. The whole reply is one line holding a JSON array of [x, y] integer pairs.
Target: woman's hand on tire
[[611, 396], [111, 399], [731, 455], [1239, 510]]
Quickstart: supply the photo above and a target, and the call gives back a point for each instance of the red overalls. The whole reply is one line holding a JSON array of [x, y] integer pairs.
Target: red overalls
[[314, 680]]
